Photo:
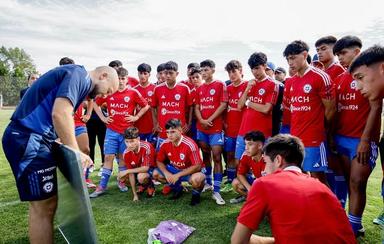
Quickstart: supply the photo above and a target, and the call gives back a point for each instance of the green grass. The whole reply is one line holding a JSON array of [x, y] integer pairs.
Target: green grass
[[119, 220]]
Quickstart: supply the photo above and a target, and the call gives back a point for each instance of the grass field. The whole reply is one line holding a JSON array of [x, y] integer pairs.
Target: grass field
[[119, 220]]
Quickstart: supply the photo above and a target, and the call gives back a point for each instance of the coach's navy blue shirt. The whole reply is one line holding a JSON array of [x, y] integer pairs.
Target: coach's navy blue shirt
[[35, 109]]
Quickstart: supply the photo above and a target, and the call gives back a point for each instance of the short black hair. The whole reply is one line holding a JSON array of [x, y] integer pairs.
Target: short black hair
[[327, 40], [208, 63], [289, 147], [171, 65], [232, 65], [254, 136], [347, 42], [131, 133], [115, 64], [295, 47], [256, 59], [121, 72], [160, 67], [372, 55], [309, 58], [193, 65], [194, 71], [144, 68], [66, 60], [173, 124]]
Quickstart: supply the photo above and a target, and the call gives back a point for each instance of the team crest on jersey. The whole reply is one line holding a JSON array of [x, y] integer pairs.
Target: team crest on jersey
[[182, 156], [113, 112], [307, 88], [353, 85], [212, 92], [163, 111], [261, 91], [48, 187], [177, 97], [150, 93], [126, 99]]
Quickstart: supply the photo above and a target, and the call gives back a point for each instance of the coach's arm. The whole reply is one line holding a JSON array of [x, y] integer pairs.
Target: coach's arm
[[243, 235]]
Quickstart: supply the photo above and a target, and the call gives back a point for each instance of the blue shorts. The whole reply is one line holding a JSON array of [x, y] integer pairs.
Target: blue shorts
[[240, 147], [216, 139], [173, 170], [158, 143], [229, 144], [29, 155], [348, 146], [149, 137], [315, 159], [285, 129], [114, 142], [193, 130], [80, 130]]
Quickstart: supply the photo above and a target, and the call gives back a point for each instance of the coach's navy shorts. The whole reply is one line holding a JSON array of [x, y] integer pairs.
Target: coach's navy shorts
[[30, 157]]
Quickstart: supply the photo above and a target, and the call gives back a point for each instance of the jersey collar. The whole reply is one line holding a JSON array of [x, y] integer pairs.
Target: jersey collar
[[292, 168]]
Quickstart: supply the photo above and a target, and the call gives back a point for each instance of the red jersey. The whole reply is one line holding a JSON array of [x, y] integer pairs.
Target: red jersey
[[247, 164], [234, 116], [171, 103], [286, 102], [307, 109], [262, 92], [144, 157], [132, 81], [181, 156], [300, 209], [120, 105], [145, 123], [77, 116], [209, 97], [334, 70], [352, 107], [188, 83]]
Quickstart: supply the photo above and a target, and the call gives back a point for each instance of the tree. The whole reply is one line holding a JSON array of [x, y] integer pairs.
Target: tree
[[15, 65]]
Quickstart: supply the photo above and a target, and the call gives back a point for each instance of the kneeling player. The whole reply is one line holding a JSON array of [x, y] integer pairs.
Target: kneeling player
[[251, 162], [185, 162], [139, 158]]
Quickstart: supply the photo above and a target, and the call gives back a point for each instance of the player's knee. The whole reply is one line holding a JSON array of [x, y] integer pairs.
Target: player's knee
[[44, 208], [142, 178], [197, 180], [357, 183], [156, 175]]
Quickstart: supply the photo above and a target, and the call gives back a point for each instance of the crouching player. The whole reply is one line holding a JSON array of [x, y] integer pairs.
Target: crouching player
[[251, 165], [185, 163], [139, 158]]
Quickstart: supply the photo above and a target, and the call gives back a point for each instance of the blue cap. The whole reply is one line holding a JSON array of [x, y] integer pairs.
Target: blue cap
[[271, 66]]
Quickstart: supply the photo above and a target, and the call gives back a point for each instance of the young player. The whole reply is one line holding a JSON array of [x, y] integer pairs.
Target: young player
[[233, 118], [211, 101], [251, 165], [259, 98], [185, 163], [146, 89], [300, 209], [356, 139], [121, 106], [139, 158], [196, 80], [189, 82], [160, 75], [312, 103]]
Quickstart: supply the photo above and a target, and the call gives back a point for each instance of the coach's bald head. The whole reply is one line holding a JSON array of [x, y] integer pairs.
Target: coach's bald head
[[104, 81]]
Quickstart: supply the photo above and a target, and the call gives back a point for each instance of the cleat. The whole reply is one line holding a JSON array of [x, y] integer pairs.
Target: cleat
[[195, 199], [141, 189], [90, 184], [99, 191], [379, 220], [237, 200], [227, 187], [166, 190], [122, 186], [217, 197], [176, 195], [360, 232], [151, 191], [207, 187]]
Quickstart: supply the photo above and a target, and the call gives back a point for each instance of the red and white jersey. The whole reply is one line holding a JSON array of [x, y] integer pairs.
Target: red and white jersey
[[286, 120], [181, 156], [334, 70], [307, 109], [234, 116], [132, 81], [144, 157], [188, 83], [262, 92], [120, 105], [77, 116], [171, 103], [209, 97], [145, 123], [352, 107], [300, 209], [247, 164]]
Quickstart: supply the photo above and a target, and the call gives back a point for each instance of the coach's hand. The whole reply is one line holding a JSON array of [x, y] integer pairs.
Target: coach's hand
[[363, 152], [86, 161], [85, 118], [107, 120], [131, 118]]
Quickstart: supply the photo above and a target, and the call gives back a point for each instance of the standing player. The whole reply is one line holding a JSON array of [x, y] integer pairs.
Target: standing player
[[259, 98], [251, 165], [312, 103], [121, 107], [211, 102], [189, 82], [185, 163], [44, 114], [233, 118], [139, 158], [356, 139], [146, 89], [196, 79], [160, 74]]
